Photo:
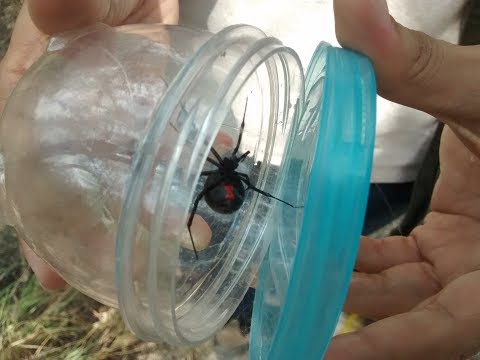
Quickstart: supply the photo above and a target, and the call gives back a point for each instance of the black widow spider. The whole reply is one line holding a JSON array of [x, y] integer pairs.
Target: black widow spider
[[224, 189]]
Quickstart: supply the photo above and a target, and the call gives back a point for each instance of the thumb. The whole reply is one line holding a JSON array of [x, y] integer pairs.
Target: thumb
[[53, 16], [412, 68]]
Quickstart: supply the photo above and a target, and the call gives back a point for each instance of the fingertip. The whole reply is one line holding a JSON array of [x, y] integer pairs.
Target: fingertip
[[46, 276], [55, 16], [223, 143], [51, 281], [365, 26], [201, 232]]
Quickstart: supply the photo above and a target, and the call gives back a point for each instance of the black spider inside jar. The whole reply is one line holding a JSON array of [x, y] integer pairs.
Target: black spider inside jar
[[225, 188]]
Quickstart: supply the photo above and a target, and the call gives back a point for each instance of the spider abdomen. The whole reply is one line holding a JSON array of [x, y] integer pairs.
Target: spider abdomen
[[227, 196]]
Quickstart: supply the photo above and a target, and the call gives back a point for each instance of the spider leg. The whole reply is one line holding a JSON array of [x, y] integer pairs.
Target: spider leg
[[213, 162], [216, 154], [243, 157], [247, 182], [241, 129], [206, 173], [194, 210]]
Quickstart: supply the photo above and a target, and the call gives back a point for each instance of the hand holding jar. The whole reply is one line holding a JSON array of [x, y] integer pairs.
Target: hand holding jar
[[36, 21], [423, 286]]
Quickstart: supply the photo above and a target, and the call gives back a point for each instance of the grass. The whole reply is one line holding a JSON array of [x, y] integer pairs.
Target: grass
[[8, 12], [35, 324]]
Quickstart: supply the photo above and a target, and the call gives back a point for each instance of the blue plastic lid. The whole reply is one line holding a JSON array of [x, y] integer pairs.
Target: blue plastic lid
[[304, 278]]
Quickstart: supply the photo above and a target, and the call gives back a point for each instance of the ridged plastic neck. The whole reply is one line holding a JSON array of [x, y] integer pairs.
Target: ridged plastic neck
[[154, 314]]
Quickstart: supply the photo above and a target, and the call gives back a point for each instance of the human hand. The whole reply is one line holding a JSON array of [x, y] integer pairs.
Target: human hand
[[423, 287], [36, 20]]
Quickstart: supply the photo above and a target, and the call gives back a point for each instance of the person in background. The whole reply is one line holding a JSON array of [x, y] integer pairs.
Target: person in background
[[422, 287]]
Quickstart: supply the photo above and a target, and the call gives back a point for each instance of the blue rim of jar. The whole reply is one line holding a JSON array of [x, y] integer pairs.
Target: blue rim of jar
[[308, 301], [157, 321]]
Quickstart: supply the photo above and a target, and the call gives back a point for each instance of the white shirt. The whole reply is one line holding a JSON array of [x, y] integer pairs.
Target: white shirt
[[403, 134]]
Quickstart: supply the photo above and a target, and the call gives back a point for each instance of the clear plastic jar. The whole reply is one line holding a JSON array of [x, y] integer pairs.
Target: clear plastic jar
[[105, 140]]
